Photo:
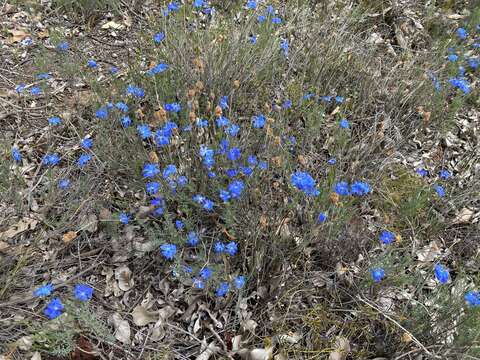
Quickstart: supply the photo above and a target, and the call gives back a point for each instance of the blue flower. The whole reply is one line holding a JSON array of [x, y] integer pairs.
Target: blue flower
[[63, 46], [179, 224], [158, 37], [462, 33], [150, 170], [270, 10], [126, 121], [211, 174], [20, 87], [198, 283], [439, 190], [54, 309], [387, 237], [322, 217], [206, 203], [377, 274], [113, 69], [102, 113], [92, 64], [218, 247], [461, 84], [86, 143], [360, 188], [339, 99], [332, 161], [258, 121], [199, 3], [172, 107], [206, 273], [202, 123], [83, 160], [247, 171], [55, 120], [251, 4], [168, 251], [444, 174], [308, 96], [287, 104], [233, 130], [224, 144], [192, 239], [135, 91], [222, 289], [121, 106], [239, 282], [222, 121], [442, 274], [303, 181], [284, 46], [223, 102], [261, 18], [472, 298], [169, 171], [225, 195], [422, 172], [231, 248], [276, 20], [234, 154], [16, 155], [63, 184], [83, 292], [452, 57], [344, 124], [144, 131], [182, 181], [342, 188], [173, 6], [44, 290], [35, 90], [157, 69], [124, 218], [51, 159], [236, 188], [252, 160], [158, 211], [252, 39], [152, 187], [326, 98], [231, 173], [473, 63]]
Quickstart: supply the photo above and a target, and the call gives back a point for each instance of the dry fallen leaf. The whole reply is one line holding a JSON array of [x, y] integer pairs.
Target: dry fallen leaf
[[122, 328], [464, 216], [112, 25], [256, 354], [43, 34], [208, 352], [124, 277], [4, 245], [142, 316], [429, 253], [69, 236], [21, 226], [17, 35]]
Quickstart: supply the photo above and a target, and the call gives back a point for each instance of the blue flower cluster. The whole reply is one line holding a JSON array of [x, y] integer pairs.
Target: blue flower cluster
[[55, 307], [461, 61]]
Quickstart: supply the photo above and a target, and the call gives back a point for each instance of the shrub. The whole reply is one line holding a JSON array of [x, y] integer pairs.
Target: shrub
[[247, 149]]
